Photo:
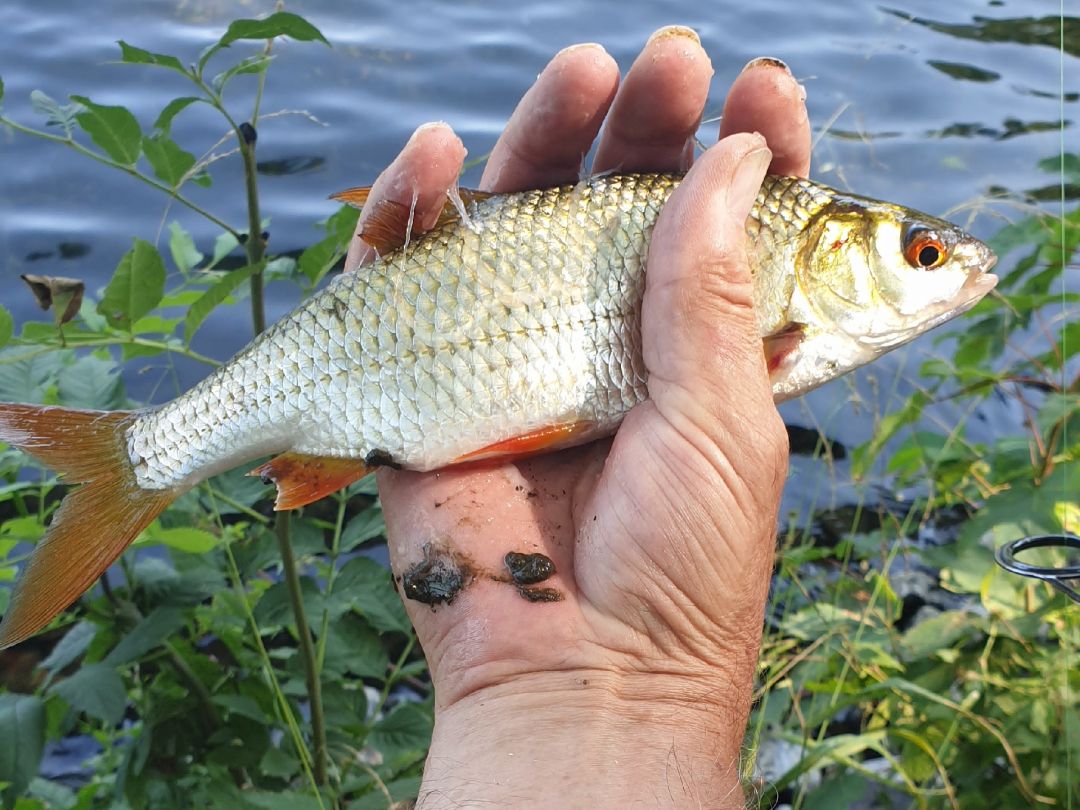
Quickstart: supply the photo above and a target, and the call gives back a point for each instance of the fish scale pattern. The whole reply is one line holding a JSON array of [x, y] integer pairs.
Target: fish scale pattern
[[523, 315]]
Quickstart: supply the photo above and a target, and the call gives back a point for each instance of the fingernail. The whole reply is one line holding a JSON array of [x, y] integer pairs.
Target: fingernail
[[767, 61], [420, 130], [581, 46], [669, 31], [746, 182]]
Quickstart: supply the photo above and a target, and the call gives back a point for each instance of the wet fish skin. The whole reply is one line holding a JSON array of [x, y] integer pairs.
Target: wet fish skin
[[520, 318]]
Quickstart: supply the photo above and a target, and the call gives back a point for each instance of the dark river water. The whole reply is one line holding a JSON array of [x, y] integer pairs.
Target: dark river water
[[924, 103]]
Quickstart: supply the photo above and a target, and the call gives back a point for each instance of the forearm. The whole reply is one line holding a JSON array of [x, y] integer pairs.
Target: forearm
[[593, 740]]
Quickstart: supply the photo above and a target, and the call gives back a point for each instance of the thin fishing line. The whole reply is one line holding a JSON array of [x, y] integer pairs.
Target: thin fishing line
[[1066, 649]]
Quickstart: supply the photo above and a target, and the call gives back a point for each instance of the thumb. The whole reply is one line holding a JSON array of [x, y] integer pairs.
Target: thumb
[[700, 337]]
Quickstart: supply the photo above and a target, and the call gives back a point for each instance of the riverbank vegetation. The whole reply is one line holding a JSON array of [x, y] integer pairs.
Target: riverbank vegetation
[[241, 658]]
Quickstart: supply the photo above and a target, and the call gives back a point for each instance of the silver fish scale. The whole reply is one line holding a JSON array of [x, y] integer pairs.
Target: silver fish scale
[[524, 316]]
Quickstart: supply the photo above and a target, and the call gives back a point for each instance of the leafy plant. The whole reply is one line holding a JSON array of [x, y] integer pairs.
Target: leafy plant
[[216, 673], [962, 691]]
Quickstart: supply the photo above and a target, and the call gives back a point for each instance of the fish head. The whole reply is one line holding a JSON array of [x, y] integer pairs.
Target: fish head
[[883, 274]]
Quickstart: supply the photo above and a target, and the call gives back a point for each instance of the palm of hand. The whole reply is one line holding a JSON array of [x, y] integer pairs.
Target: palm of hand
[[662, 537]]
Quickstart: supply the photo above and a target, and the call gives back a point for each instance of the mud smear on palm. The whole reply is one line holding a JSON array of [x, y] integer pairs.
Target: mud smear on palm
[[444, 572]]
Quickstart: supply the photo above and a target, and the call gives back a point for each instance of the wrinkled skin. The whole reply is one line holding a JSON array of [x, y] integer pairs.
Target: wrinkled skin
[[662, 537]]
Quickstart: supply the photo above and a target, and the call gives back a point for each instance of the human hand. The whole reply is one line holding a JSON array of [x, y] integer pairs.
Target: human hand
[[663, 537]]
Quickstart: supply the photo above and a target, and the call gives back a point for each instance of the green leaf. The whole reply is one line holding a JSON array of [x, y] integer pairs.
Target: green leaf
[[214, 296], [938, 633], [1057, 407], [169, 161], [22, 740], [1, 88], [265, 800], [137, 56], [91, 382], [150, 633], [253, 64], [114, 129], [353, 647], [242, 705], [365, 526], [184, 538], [370, 589], [96, 690], [185, 255], [70, 647], [279, 24], [225, 244], [55, 115], [405, 729], [136, 287], [7, 326], [165, 118]]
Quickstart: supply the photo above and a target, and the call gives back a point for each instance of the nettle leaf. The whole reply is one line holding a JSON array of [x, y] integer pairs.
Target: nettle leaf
[[137, 56], [406, 729], [96, 690], [55, 114], [214, 296], [147, 635], [22, 740], [352, 646], [114, 129], [7, 326], [265, 800], [171, 110], [370, 590], [136, 287], [69, 648], [169, 161], [365, 526], [91, 382]]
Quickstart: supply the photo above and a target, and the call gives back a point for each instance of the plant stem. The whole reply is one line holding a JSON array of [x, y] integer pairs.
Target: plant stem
[[307, 646], [255, 244], [71, 143]]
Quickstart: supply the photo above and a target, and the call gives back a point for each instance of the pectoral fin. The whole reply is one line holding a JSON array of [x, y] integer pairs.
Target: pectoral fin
[[302, 479], [780, 345]]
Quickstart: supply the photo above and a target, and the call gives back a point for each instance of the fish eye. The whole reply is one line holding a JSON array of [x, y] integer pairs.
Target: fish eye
[[924, 250]]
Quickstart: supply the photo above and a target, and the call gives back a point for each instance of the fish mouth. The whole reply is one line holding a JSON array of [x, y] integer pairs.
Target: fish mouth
[[976, 286]]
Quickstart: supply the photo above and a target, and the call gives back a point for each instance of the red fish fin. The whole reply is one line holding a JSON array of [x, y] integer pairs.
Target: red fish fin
[[386, 228], [95, 522], [302, 479], [355, 196], [779, 345], [553, 437]]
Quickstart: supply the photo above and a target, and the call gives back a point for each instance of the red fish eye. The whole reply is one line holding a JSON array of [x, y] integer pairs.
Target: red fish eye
[[925, 252]]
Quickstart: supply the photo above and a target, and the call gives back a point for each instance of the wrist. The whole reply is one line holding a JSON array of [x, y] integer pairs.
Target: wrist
[[588, 739]]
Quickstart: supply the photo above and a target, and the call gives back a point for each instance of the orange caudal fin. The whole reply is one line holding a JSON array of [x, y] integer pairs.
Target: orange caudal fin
[[95, 522]]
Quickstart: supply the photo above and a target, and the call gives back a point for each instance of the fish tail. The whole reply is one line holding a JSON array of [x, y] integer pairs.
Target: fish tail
[[95, 522]]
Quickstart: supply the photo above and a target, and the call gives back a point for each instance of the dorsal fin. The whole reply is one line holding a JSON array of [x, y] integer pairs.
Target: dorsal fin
[[386, 228]]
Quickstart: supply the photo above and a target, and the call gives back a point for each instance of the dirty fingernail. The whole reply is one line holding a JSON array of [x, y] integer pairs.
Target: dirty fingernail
[[581, 46], [767, 61], [680, 31]]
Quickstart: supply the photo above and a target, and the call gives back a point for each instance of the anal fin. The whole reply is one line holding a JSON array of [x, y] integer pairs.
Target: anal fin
[[303, 479], [542, 440]]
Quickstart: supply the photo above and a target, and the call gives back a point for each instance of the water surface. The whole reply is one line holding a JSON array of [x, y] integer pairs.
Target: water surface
[[927, 104]]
